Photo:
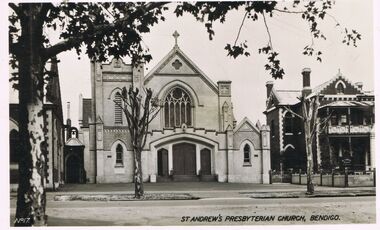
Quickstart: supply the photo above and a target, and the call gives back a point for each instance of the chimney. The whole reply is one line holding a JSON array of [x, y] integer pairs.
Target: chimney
[[306, 90], [68, 121], [269, 85], [80, 120], [359, 85]]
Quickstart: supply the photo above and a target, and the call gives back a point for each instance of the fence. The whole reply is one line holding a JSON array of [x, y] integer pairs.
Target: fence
[[345, 179]]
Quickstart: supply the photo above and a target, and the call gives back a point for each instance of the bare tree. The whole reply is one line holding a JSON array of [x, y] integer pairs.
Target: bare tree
[[139, 110], [312, 125]]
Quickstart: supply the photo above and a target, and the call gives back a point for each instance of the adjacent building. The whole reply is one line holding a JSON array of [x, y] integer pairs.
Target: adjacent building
[[349, 135], [194, 137], [55, 127]]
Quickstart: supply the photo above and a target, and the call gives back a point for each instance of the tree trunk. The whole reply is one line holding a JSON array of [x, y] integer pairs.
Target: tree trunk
[[31, 199], [139, 186], [309, 153]]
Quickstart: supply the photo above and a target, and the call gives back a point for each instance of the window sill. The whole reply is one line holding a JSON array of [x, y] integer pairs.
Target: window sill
[[288, 134], [247, 164], [118, 165]]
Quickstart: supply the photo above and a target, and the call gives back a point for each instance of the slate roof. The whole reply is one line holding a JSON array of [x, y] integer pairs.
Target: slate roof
[[288, 97]]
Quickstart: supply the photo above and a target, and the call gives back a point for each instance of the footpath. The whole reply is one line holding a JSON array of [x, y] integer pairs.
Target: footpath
[[198, 190]]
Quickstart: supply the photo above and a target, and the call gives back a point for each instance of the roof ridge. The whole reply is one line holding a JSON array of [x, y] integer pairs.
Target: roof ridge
[[288, 90]]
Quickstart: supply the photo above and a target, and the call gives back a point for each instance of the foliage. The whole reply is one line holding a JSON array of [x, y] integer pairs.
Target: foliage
[[106, 29], [115, 29]]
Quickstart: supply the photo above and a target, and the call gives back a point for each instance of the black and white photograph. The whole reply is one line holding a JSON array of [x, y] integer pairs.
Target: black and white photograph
[[237, 114]]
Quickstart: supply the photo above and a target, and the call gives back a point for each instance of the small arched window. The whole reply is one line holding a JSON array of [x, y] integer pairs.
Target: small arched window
[[247, 154], [177, 108], [118, 109], [340, 88], [119, 154]]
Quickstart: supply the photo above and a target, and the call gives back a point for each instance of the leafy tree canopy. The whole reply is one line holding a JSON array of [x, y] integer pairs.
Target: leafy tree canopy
[[115, 29]]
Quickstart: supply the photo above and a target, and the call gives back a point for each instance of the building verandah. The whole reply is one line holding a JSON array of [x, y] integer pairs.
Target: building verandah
[[349, 139]]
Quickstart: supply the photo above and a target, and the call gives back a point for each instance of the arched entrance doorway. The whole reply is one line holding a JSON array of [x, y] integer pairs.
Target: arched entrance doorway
[[162, 162], [205, 161], [184, 159], [73, 169], [74, 159]]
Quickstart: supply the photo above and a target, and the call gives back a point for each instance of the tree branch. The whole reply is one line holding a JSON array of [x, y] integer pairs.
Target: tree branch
[[154, 115], [241, 26], [288, 11], [268, 32], [294, 113], [78, 39], [17, 10]]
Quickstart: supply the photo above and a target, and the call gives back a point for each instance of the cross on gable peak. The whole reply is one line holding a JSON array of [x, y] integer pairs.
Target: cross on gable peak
[[176, 35]]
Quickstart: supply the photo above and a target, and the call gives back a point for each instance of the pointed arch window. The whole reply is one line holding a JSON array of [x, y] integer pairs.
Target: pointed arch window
[[340, 88], [119, 154], [247, 154], [177, 108], [118, 110]]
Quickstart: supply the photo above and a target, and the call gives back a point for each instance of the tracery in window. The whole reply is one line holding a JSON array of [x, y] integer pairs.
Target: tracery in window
[[177, 108]]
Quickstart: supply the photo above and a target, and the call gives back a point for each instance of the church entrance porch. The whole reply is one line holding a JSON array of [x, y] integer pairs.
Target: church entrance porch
[[184, 161], [73, 170], [74, 159]]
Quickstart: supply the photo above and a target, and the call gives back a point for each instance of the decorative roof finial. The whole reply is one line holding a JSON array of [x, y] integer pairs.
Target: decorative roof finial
[[339, 73], [176, 35]]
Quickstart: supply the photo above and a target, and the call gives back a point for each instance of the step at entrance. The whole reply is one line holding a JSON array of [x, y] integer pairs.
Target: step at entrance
[[187, 178]]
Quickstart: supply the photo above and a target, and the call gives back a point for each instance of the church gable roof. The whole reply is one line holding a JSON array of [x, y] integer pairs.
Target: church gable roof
[[246, 126], [176, 62]]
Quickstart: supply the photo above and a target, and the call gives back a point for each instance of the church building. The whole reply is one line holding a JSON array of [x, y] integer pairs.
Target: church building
[[193, 138]]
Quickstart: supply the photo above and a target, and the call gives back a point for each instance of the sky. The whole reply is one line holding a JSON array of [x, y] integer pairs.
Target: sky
[[289, 35]]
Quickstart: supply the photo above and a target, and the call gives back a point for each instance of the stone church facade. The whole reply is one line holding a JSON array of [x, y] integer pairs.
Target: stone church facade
[[193, 138]]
